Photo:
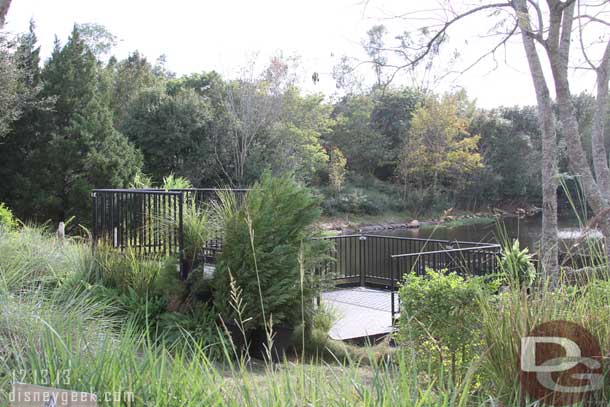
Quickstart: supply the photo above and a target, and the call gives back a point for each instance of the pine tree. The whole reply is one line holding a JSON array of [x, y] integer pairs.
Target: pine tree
[[76, 147], [18, 149]]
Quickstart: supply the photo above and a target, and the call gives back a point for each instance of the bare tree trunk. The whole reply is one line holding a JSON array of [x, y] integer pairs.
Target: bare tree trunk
[[4, 5], [558, 50], [548, 249], [600, 156]]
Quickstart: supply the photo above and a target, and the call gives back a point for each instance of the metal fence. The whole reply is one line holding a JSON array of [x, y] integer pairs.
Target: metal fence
[[147, 221], [373, 260], [151, 221]]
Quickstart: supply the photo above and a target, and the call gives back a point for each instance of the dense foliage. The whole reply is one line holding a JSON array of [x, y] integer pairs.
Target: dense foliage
[[82, 119], [124, 324], [268, 259], [439, 312]]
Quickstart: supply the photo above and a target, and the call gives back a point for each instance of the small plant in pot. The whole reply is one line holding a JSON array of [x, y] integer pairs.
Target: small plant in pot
[[266, 241]]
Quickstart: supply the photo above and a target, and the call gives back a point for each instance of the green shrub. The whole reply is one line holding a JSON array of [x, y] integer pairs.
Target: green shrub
[[196, 231], [439, 315], [198, 324], [266, 249], [126, 271], [7, 220], [516, 264], [173, 182], [32, 256]]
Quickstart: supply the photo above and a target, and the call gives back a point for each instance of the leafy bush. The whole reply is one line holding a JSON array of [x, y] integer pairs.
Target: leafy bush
[[173, 182], [196, 231], [516, 264], [439, 314], [316, 333], [199, 324], [7, 220], [32, 256], [127, 271], [266, 246]]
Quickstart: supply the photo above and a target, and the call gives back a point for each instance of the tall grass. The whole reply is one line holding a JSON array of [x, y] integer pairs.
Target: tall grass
[[53, 334]]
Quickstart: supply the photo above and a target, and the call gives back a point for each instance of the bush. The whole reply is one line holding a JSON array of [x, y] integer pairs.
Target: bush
[[7, 220], [516, 264], [33, 257], [439, 315], [266, 248]]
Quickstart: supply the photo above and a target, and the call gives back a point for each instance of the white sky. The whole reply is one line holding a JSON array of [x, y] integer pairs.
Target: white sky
[[222, 34]]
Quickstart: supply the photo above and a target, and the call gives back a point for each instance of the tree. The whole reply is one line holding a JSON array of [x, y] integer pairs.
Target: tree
[[439, 150], [97, 38], [19, 77], [547, 29], [173, 133], [391, 117], [293, 143], [252, 104], [4, 6], [374, 47], [10, 77], [130, 77], [23, 135], [363, 146], [510, 149], [336, 171], [78, 148]]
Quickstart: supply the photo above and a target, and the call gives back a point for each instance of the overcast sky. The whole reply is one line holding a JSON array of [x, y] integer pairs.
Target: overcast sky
[[222, 34]]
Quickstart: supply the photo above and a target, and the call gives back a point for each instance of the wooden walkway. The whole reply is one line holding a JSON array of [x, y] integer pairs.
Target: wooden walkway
[[360, 312]]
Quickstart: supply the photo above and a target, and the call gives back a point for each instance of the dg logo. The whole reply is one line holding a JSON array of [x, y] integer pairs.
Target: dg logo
[[560, 364]]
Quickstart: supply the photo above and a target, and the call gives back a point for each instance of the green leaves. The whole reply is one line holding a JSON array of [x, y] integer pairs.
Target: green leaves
[[516, 264], [439, 314], [261, 250]]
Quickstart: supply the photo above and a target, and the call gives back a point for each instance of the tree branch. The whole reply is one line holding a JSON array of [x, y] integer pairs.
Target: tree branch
[[434, 40]]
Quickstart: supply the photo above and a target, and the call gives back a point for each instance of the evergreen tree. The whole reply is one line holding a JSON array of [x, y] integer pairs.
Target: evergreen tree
[[76, 147], [18, 149], [130, 77]]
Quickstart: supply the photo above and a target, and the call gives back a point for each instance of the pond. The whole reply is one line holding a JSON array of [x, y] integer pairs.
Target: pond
[[526, 229]]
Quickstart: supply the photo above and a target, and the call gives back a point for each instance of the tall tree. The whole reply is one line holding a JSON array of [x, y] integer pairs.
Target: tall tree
[[391, 118], [4, 6], [130, 77], [439, 151], [510, 149], [364, 147], [23, 138], [293, 143], [173, 133], [252, 103], [547, 29], [82, 150]]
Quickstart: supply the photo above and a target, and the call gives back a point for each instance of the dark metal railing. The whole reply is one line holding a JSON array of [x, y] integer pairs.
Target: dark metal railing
[[151, 221], [374, 260], [474, 260]]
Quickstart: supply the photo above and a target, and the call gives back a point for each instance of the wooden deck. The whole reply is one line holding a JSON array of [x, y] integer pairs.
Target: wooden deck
[[360, 312]]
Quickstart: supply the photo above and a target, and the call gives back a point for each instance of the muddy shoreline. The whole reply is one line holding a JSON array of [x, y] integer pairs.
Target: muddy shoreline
[[448, 219]]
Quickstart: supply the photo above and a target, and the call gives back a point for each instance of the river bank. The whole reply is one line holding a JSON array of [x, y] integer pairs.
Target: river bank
[[351, 223]]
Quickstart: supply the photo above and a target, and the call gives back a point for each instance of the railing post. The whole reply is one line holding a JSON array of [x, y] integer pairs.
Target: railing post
[[362, 261], [392, 287], [181, 236], [94, 215]]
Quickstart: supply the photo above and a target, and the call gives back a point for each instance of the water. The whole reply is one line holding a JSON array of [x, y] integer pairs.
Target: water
[[527, 230]]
